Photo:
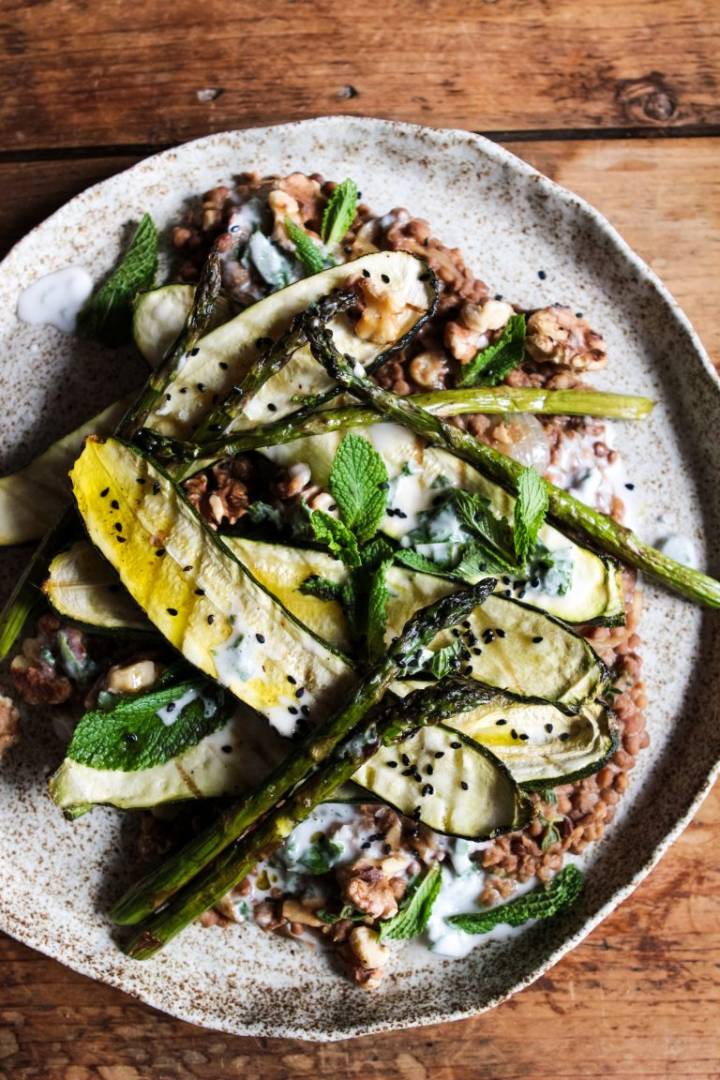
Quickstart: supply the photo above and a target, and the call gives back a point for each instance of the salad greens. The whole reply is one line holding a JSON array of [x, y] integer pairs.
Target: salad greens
[[540, 903], [416, 909], [107, 315], [340, 211], [493, 363]]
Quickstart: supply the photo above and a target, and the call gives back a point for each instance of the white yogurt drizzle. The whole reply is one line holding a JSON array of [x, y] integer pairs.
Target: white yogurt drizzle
[[55, 299]]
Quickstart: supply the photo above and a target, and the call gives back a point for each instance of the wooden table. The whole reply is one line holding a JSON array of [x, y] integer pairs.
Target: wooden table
[[619, 102]]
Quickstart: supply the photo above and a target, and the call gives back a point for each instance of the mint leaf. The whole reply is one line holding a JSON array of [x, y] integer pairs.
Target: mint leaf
[[410, 559], [132, 734], [448, 659], [306, 250], [336, 536], [531, 507], [541, 903], [494, 362], [377, 609], [321, 856], [415, 911], [495, 533], [339, 213], [107, 315], [358, 482]]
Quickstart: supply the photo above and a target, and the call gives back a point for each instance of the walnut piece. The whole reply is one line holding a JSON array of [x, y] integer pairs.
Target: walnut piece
[[476, 326], [130, 678], [369, 885], [299, 198], [9, 723], [222, 496], [556, 336], [367, 957]]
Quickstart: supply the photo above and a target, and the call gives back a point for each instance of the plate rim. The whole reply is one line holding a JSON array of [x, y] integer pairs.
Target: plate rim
[[10, 924]]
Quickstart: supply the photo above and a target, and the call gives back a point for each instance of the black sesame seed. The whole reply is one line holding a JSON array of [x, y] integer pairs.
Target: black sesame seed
[[210, 620], [223, 365], [120, 539], [578, 314], [500, 722], [386, 849], [183, 389], [498, 296], [365, 845], [548, 728], [260, 638], [468, 670], [168, 397], [391, 764], [536, 640], [201, 387], [159, 552], [384, 486], [500, 633], [104, 492], [272, 408], [464, 785], [505, 580], [187, 569], [400, 514], [535, 582], [170, 707], [564, 736], [513, 733], [630, 487], [410, 771], [507, 593], [455, 632], [427, 789], [466, 624], [227, 749], [299, 692], [171, 611], [477, 652], [405, 759], [292, 680], [293, 710], [156, 488], [428, 770], [195, 351], [439, 753], [305, 710], [199, 592], [524, 736], [417, 813], [542, 275], [115, 504], [455, 745], [118, 526], [385, 278]]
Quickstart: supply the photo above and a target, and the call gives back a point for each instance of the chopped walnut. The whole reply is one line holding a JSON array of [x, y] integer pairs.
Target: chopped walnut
[[367, 957], [35, 676], [385, 316], [296, 912], [476, 326], [9, 723], [297, 197], [292, 480], [130, 678], [428, 370], [556, 336], [221, 496], [368, 885]]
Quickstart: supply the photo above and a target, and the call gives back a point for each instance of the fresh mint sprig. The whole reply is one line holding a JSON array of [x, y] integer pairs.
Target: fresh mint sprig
[[541, 903], [494, 362], [106, 316], [531, 507], [358, 484], [307, 251], [339, 213], [415, 911]]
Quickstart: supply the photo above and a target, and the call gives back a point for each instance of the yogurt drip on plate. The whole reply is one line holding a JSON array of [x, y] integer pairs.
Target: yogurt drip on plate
[[55, 299]]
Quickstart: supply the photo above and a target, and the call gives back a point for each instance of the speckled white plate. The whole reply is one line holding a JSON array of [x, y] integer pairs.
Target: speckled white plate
[[56, 878]]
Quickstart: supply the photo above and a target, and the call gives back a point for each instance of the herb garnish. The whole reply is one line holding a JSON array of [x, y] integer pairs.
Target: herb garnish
[[531, 506], [107, 314], [415, 911], [307, 251], [541, 903], [494, 362], [339, 213]]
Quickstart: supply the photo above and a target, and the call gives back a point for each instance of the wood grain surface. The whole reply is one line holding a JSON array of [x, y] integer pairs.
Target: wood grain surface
[[618, 102]]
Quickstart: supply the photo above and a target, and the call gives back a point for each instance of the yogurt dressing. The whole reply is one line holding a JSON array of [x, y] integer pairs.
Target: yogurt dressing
[[55, 299], [170, 712]]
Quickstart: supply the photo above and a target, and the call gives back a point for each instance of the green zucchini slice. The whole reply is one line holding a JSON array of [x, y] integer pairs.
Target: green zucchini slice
[[418, 473], [541, 744], [225, 355], [159, 316], [197, 593], [467, 792], [229, 761], [32, 499], [83, 586]]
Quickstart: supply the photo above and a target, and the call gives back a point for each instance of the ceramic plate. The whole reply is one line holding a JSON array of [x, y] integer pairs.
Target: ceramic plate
[[57, 877]]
